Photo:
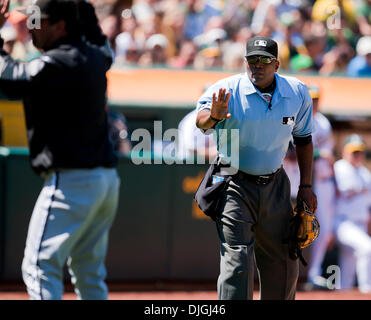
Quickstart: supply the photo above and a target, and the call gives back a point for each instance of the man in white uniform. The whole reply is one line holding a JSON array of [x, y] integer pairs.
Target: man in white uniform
[[325, 189], [352, 215], [192, 141]]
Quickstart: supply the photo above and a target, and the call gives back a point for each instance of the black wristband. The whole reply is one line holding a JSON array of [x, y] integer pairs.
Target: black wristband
[[214, 119], [302, 186], [302, 141]]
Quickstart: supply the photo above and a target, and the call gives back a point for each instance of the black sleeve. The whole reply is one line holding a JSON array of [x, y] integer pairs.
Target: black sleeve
[[92, 32], [16, 77], [301, 141], [89, 24], [9, 88]]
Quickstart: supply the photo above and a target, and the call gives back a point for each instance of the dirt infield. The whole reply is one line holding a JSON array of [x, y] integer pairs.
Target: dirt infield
[[11, 293]]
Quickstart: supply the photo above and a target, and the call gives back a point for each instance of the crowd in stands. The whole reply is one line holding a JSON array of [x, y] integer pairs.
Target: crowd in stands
[[326, 37]]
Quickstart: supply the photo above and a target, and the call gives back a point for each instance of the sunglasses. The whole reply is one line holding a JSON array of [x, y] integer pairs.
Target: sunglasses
[[262, 59]]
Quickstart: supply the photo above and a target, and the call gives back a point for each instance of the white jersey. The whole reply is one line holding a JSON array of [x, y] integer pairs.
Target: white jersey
[[293, 172], [353, 180], [192, 138], [322, 140]]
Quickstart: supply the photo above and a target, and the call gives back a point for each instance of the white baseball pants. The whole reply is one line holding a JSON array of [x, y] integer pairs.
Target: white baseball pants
[[70, 223], [325, 191], [355, 255]]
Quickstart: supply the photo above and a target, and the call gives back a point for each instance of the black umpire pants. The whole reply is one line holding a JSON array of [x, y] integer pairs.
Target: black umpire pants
[[252, 226]]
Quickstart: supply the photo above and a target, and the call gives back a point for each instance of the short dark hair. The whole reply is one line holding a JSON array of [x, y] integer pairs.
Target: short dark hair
[[57, 10]]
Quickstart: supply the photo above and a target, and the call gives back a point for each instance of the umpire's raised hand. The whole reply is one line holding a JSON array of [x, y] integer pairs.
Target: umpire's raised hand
[[207, 119], [219, 107]]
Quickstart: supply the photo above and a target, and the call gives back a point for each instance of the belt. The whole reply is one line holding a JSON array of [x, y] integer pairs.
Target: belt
[[262, 179]]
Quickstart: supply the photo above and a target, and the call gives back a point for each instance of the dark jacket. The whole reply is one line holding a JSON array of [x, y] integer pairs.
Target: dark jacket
[[64, 95]]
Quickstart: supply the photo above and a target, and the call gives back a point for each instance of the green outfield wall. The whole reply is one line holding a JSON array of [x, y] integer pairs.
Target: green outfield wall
[[158, 233]]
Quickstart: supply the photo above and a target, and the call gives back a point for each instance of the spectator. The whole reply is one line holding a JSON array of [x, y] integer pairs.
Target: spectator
[[284, 6], [342, 33], [110, 27], [126, 45], [312, 36], [142, 10], [302, 63], [9, 35], [214, 36], [215, 22], [213, 32], [290, 37], [237, 15], [323, 9], [161, 27], [316, 48], [199, 12], [103, 8], [260, 17], [360, 65], [363, 16], [353, 214], [243, 35], [174, 17], [186, 55], [233, 57], [155, 51], [210, 57], [23, 48], [336, 60], [145, 18]]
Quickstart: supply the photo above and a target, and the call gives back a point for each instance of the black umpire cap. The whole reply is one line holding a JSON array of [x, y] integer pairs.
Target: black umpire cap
[[54, 10], [261, 46]]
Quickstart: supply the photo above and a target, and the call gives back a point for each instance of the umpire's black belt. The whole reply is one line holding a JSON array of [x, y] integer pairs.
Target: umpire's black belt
[[263, 179]]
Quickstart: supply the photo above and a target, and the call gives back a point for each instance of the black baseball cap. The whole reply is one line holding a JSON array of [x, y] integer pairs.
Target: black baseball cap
[[261, 46], [54, 10]]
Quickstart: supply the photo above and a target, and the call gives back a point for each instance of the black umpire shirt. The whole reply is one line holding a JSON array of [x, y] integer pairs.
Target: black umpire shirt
[[64, 96]]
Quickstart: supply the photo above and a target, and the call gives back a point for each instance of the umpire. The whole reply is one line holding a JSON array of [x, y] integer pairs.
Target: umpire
[[64, 95], [268, 110]]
